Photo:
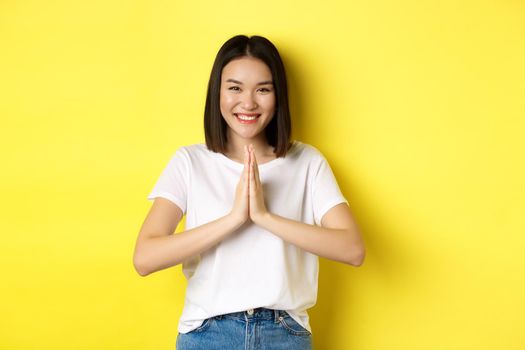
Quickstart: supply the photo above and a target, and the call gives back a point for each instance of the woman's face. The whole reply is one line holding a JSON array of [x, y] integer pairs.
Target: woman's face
[[247, 97]]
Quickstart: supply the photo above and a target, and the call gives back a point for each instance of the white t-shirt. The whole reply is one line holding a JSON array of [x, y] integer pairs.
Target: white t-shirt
[[252, 267]]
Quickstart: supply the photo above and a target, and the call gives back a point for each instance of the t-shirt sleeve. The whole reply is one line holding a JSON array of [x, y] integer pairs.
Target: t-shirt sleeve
[[326, 192], [172, 183]]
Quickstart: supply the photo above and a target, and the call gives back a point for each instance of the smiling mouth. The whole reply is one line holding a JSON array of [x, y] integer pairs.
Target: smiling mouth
[[246, 118]]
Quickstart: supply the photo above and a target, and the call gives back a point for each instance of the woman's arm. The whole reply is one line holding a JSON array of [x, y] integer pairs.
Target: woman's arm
[[157, 248], [338, 239]]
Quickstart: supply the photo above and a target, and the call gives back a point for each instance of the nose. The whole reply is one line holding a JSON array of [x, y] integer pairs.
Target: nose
[[248, 102]]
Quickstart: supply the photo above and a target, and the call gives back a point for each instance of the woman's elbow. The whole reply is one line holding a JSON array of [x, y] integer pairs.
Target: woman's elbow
[[358, 261], [140, 266], [356, 258]]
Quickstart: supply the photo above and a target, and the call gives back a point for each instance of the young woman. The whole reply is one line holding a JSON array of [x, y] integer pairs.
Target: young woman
[[259, 210]]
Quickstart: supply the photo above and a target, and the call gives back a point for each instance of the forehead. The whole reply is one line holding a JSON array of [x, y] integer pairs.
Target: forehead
[[246, 69]]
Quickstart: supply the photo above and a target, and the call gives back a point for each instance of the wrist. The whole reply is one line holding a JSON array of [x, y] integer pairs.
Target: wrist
[[262, 219], [234, 220]]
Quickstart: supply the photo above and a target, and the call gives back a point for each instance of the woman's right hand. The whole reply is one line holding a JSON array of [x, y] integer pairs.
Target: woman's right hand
[[240, 211]]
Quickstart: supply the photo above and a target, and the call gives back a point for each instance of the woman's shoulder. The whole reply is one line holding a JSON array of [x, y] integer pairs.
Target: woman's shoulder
[[192, 148], [306, 149], [197, 152]]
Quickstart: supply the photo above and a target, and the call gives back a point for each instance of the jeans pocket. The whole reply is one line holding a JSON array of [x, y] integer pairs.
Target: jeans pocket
[[205, 324], [292, 326]]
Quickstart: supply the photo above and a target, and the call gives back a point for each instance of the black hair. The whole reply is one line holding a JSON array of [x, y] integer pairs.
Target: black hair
[[279, 129]]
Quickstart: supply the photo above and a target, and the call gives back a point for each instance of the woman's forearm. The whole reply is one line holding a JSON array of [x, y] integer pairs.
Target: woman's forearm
[[158, 253], [335, 244]]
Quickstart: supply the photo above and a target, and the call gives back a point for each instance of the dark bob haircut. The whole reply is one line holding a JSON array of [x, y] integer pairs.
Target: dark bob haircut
[[279, 129]]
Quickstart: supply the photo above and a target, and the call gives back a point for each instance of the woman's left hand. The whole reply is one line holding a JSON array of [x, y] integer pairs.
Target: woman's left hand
[[257, 207]]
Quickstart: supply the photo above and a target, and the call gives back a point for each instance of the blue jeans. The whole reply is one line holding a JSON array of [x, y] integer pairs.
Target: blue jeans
[[257, 329]]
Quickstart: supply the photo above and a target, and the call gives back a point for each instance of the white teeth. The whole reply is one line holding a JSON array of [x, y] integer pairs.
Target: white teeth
[[242, 117]]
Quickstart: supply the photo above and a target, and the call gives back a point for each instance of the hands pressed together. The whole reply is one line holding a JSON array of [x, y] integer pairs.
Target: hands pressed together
[[249, 198]]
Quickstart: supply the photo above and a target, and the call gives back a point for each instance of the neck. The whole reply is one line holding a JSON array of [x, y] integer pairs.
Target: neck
[[235, 147]]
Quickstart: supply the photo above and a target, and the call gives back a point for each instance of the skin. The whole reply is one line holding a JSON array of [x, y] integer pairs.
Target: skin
[[246, 88], [338, 238]]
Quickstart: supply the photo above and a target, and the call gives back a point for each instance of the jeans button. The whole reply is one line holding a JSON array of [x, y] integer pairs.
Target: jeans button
[[250, 312]]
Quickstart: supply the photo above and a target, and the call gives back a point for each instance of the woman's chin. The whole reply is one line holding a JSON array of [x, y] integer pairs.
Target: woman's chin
[[246, 134]]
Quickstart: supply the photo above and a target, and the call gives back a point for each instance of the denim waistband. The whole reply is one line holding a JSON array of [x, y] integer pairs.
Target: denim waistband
[[259, 313]]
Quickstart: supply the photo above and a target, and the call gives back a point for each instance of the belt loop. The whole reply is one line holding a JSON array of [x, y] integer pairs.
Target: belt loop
[[276, 315]]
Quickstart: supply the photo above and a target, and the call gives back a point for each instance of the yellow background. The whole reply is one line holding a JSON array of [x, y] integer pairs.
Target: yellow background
[[418, 106]]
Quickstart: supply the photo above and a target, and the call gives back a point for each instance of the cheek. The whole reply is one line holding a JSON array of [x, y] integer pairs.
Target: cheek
[[269, 103], [225, 101], [222, 104]]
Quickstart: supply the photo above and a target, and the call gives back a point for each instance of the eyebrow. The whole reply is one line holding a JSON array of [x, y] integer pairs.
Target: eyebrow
[[240, 83]]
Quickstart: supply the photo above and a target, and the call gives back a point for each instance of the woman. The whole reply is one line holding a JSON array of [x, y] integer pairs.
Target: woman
[[259, 211]]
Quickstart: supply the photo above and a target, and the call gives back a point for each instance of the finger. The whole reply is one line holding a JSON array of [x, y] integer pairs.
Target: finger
[[253, 184], [256, 169], [246, 156], [246, 164], [255, 166]]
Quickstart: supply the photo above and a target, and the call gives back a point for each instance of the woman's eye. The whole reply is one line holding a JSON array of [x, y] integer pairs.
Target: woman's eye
[[265, 90], [234, 88]]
